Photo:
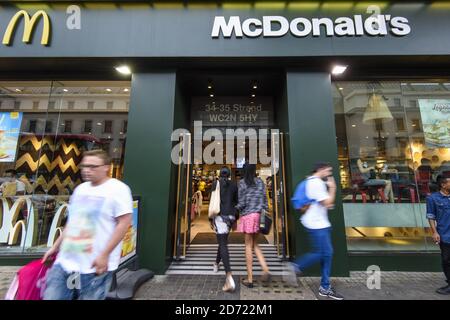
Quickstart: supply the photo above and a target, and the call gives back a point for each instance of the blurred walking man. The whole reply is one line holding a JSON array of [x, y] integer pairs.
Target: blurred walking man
[[90, 246], [319, 190]]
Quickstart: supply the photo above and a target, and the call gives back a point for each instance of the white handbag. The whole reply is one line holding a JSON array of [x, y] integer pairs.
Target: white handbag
[[214, 202]]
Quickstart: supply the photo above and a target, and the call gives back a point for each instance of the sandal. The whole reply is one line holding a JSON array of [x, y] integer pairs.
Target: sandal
[[247, 283]]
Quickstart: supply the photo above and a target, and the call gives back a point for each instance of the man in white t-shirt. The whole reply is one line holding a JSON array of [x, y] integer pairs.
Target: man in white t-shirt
[[88, 251], [321, 189]]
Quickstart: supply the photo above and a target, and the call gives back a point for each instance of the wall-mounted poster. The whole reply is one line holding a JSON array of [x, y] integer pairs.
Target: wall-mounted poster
[[130, 239], [435, 115], [9, 135]]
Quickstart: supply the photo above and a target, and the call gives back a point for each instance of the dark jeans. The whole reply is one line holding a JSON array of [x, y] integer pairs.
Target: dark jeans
[[321, 251], [445, 255], [222, 251]]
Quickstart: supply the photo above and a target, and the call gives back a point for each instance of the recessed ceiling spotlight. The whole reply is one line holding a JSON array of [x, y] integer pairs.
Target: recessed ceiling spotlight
[[109, 90], [65, 90], [126, 90], [211, 95], [18, 90], [123, 69], [338, 69], [253, 95]]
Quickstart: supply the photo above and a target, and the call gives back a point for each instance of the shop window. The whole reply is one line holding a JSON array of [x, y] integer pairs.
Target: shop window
[[45, 148], [389, 170], [400, 124], [32, 126], [87, 126], [48, 126], [125, 125], [107, 126], [416, 125], [67, 126]]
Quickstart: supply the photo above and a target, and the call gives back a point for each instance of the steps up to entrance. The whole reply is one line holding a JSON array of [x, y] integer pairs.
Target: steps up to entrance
[[200, 258]]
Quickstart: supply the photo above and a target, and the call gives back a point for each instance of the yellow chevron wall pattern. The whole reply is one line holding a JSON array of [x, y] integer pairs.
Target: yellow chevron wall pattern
[[51, 162]]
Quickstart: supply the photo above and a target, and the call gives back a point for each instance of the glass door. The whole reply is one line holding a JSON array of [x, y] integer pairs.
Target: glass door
[[279, 195], [182, 218]]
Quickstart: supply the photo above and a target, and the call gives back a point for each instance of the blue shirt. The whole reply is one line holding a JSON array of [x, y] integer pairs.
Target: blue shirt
[[438, 208]]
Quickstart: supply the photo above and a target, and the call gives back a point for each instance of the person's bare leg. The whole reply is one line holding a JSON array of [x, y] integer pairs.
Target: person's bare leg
[[260, 255], [249, 256], [389, 192]]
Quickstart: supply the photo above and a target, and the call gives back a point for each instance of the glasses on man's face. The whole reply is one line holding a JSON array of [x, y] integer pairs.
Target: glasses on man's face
[[90, 166]]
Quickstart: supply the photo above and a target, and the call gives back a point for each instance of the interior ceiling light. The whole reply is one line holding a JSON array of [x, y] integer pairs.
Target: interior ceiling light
[[109, 90], [339, 69], [65, 90], [123, 70], [126, 90], [211, 95]]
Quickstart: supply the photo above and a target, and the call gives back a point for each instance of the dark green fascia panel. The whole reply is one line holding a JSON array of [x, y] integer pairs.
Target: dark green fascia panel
[[148, 163], [312, 138], [387, 261]]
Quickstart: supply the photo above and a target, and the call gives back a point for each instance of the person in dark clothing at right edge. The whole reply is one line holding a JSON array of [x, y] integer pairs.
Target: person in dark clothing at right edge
[[438, 214], [223, 222]]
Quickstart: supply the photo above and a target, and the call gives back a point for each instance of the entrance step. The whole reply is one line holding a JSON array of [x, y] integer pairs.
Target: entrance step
[[200, 258]]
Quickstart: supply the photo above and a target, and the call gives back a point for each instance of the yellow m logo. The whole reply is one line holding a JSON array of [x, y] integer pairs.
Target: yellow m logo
[[29, 26]]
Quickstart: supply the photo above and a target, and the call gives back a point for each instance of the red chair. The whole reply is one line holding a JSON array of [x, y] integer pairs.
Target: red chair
[[358, 183], [423, 180]]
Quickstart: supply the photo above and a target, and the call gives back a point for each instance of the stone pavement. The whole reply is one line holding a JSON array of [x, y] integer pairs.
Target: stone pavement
[[394, 286]]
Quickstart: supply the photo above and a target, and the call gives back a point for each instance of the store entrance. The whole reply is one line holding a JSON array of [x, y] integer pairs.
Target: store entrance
[[232, 121]]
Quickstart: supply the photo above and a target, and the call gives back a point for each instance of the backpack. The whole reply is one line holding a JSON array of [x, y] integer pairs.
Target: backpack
[[300, 200]]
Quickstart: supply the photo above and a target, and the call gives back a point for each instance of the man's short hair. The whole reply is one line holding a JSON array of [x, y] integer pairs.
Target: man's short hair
[[99, 153], [440, 180], [320, 165], [12, 171]]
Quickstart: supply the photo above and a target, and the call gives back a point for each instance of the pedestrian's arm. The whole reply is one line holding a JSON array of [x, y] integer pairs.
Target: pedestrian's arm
[[432, 223], [329, 202], [123, 223], [241, 198], [431, 215], [54, 248]]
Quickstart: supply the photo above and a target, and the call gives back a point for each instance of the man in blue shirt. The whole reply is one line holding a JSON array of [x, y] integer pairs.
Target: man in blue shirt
[[438, 214]]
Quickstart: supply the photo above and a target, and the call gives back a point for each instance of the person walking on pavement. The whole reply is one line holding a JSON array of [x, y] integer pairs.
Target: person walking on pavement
[[438, 214], [88, 250], [320, 188], [252, 201], [223, 222]]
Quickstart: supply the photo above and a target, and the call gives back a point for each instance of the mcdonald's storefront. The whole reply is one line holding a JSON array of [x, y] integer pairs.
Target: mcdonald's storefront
[[252, 65]]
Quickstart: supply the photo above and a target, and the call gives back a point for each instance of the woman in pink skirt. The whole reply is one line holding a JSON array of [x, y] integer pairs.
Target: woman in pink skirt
[[251, 201]]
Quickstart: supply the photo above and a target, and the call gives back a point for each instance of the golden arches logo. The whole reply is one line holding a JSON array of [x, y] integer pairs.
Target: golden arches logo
[[29, 26]]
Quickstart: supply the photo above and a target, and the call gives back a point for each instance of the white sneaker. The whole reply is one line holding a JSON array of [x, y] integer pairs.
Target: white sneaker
[[215, 268], [230, 285], [289, 274]]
